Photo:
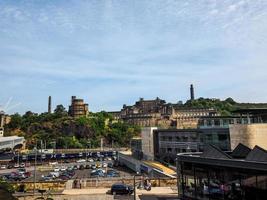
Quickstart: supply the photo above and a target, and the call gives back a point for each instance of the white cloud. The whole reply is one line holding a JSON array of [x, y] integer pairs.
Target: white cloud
[[141, 48]]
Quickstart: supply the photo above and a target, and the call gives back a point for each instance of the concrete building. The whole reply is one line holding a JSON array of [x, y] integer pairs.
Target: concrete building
[[251, 133], [147, 135], [78, 108], [12, 142], [169, 142]]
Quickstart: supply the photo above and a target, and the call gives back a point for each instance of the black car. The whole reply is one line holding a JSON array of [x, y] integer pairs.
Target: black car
[[120, 188], [81, 167], [110, 165]]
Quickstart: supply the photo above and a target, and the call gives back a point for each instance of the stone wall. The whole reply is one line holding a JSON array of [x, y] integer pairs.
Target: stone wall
[[249, 135]]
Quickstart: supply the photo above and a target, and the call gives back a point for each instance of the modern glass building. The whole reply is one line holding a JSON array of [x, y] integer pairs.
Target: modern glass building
[[214, 174]]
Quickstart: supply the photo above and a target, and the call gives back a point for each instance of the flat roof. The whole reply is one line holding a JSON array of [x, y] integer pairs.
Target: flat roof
[[3, 139], [160, 167], [244, 157], [251, 111]]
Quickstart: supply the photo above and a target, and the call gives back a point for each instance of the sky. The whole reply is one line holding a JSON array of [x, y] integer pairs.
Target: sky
[[112, 53]]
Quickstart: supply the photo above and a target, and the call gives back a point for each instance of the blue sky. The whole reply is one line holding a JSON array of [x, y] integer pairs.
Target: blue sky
[[113, 52]]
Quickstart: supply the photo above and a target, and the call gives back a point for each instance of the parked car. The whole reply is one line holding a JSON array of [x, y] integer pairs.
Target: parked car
[[112, 173], [98, 165], [104, 164], [64, 177], [93, 166], [10, 166], [120, 188], [110, 165], [87, 166], [54, 174], [75, 167], [53, 163], [56, 169], [81, 167], [47, 178], [81, 161], [90, 160], [16, 165], [97, 174], [63, 168], [21, 170], [22, 165], [3, 167]]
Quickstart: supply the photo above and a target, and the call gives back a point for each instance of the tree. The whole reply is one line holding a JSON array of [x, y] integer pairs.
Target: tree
[[60, 110], [16, 121]]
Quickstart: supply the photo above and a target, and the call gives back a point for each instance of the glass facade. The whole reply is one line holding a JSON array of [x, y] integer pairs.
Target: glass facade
[[207, 181]]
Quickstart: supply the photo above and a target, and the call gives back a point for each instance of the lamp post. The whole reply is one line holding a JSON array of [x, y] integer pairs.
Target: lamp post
[[35, 161], [88, 144]]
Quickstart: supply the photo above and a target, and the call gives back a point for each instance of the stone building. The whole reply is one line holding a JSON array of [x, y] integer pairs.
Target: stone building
[[78, 108], [158, 113]]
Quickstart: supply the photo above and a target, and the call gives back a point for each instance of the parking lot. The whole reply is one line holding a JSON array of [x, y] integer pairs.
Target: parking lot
[[80, 169]]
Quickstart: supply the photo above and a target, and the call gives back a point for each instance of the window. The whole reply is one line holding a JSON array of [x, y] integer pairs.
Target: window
[[222, 137]]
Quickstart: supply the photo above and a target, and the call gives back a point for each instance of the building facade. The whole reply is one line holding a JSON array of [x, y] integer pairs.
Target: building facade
[[78, 108], [253, 131], [215, 174], [169, 142], [158, 113]]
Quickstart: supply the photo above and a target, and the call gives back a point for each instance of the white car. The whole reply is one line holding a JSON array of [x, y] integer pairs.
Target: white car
[[22, 165], [53, 163], [3, 167], [63, 168], [109, 158], [56, 169], [81, 161], [54, 174], [104, 165], [90, 160], [16, 166]]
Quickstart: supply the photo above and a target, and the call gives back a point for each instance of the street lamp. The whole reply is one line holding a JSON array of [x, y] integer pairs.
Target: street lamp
[[88, 144], [35, 161]]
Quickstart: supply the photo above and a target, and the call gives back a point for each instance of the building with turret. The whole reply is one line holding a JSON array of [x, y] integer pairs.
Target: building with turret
[[78, 108]]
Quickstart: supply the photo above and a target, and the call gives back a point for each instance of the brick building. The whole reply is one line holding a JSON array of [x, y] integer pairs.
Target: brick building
[[78, 108]]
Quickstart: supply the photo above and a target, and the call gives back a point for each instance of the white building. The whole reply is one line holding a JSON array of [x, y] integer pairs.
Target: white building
[[11, 142]]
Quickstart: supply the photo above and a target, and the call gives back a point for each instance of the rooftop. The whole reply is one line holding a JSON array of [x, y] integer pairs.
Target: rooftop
[[254, 111], [3, 139], [241, 157]]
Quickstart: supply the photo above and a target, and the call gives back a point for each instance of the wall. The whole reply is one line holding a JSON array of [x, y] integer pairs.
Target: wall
[[249, 135], [147, 142]]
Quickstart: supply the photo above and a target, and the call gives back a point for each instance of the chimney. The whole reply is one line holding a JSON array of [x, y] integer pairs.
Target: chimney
[[192, 92], [49, 104]]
